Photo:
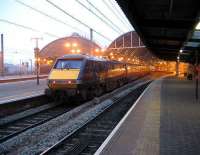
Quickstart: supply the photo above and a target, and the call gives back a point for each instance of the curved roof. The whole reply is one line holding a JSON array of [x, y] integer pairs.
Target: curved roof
[[67, 45], [118, 42], [129, 46], [81, 56]]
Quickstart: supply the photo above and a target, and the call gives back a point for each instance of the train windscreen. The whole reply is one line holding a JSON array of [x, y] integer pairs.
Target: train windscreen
[[68, 64]]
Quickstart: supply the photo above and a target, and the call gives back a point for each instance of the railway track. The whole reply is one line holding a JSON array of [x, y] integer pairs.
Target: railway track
[[12, 129], [88, 138]]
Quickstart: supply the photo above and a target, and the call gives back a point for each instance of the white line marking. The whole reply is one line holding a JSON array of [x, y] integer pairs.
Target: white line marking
[[121, 122]]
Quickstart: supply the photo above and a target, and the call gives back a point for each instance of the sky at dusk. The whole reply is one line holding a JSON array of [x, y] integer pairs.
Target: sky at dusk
[[21, 20]]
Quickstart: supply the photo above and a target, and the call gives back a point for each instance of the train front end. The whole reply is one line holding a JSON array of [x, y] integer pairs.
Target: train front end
[[64, 78]]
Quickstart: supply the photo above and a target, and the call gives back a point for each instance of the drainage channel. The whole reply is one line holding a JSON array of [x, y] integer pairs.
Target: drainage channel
[[88, 138]]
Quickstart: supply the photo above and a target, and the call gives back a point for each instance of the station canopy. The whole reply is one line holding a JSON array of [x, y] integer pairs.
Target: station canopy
[[168, 28]]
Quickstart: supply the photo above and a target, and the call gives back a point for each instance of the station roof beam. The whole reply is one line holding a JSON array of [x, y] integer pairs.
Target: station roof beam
[[166, 25]]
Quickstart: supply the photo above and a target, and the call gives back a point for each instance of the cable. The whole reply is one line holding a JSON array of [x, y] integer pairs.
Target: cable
[[120, 13], [45, 14], [110, 8], [116, 29], [100, 12], [19, 25], [56, 6], [28, 28]]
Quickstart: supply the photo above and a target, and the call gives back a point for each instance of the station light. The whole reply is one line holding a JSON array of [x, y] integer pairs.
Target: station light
[[38, 59], [198, 26], [102, 50], [67, 45], [78, 50], [48, 62], [181, 51], [111, 53], [74, 44], [112, 57], [96, 50], [178, 58], [73, 50]]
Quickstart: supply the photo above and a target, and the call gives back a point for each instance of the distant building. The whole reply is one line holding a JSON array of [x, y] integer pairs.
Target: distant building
[[68, 45]]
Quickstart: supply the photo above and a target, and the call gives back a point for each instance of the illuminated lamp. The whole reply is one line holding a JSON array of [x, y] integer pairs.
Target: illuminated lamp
[[78, 50], [74, 44], [67, 45], [73, 51], [96, 50], [198, 26], [102, 50]]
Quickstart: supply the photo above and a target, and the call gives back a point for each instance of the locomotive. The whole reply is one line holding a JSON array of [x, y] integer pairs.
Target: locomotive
[[87, 76]]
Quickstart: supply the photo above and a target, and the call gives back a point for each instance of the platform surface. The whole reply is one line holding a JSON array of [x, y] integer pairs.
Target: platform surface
[[12, 91], [14, 78], [165, 121]]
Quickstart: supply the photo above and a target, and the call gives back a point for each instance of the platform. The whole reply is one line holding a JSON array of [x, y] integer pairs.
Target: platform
[[164, 121], [13, 91], [14, 78]]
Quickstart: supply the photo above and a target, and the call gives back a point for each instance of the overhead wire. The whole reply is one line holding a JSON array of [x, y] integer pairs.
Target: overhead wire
[[79, 21], [47, 15], [115, 28], [112, 10], [100, 12], [28, 28], [120, 13]]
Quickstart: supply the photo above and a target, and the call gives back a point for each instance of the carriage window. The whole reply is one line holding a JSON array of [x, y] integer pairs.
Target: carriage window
[[68, 64]]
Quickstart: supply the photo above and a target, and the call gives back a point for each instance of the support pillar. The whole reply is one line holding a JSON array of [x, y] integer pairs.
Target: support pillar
[[91, 39], [177, 66], [2, 56], [196, 76]]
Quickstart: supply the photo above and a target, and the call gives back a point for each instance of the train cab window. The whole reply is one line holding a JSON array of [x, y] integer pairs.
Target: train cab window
[[68, 64]]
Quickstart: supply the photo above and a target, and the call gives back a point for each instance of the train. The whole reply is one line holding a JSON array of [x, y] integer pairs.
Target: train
[[87, 76]]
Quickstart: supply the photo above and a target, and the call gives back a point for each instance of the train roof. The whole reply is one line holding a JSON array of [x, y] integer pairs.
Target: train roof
[[81, 56], [88, 57]]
